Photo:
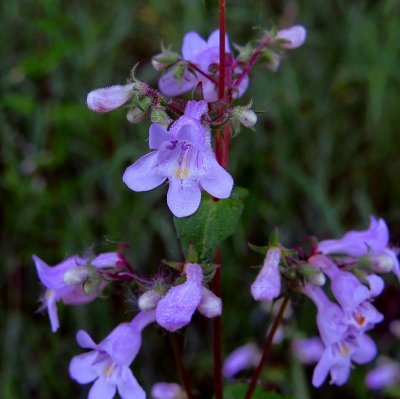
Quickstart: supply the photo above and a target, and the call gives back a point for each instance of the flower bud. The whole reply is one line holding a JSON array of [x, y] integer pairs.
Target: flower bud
[[267, 285], [294, 36], [245, 116], [313, 275], [164, 59], [382, 263], [210, 305], [148, 300], [109, 98], [135, 115], [76, 275]]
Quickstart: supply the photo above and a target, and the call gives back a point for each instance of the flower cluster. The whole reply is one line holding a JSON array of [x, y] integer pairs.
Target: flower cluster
[[74, 281]]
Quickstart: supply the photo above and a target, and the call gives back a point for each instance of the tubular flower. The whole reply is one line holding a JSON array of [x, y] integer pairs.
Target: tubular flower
[[176, 308], [202, 54], [65, 281], [294, 37], [183, 156], [108, 362], [267, 285], [241, 358], [107, 99], [373, 242]]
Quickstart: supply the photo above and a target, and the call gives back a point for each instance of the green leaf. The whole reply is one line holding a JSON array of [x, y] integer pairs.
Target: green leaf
[[213, 222], [238, 390]]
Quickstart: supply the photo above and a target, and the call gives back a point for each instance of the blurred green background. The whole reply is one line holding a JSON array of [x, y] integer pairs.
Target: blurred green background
[[325, 155]]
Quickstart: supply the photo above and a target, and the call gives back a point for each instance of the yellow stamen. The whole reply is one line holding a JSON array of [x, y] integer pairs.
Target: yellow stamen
[[107, 371], [182, 173]]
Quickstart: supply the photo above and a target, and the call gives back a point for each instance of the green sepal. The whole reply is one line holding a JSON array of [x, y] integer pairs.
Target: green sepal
[[213, 222], [178, 266], [260, 249]]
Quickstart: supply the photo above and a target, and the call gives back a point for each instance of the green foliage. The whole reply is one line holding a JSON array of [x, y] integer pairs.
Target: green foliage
[[238, 390], [210, 225]]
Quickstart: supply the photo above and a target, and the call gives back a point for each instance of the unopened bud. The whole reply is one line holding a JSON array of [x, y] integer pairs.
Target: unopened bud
[[135, 115], [382, 263], [148, 300], [76, 275], [267, 285], [293, 37], [164, 59], [245, 116], [313, 275], [109, 98], [210, 305]]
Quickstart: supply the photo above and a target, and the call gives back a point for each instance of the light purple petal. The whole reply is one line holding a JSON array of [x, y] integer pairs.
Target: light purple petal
[[176, 309], [109, 98], [359, 243], [213, 41], [183, 200], [210, 91], [165, 390], [128, 386], [210, 305], [217, 181], [103, 388], [308, 350], [295, 35], [384, 375], [267, 285], [340, 371], [52, 309], [143, 319], [122, 344], [196, 109], [244, 357], [81, 367], [158, 135], [376, 284], [321, 370], [142, 175], [243, 85], [193, 44], [84, 340], [107, 259], [365, 350], [171, 86]]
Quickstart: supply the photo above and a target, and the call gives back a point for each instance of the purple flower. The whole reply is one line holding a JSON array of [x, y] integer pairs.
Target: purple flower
[[108, 362], [165, 390], [107, 99], [336, 359], [343, 342], [294, 36], [346, 287], [267, 285], [176, 308], [65, 281], [308, 350], [241, 358], [386, 374], [203, 54], [373, 242], [183, 156]]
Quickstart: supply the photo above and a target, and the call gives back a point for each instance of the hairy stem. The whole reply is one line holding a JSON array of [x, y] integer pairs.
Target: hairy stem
[[266, 349], [250, 63], [180, 366]]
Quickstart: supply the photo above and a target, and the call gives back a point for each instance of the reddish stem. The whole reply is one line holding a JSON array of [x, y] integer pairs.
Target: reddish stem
[[264, 43], [208, 76], [222, 61], [181, 367], [266, 349]]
